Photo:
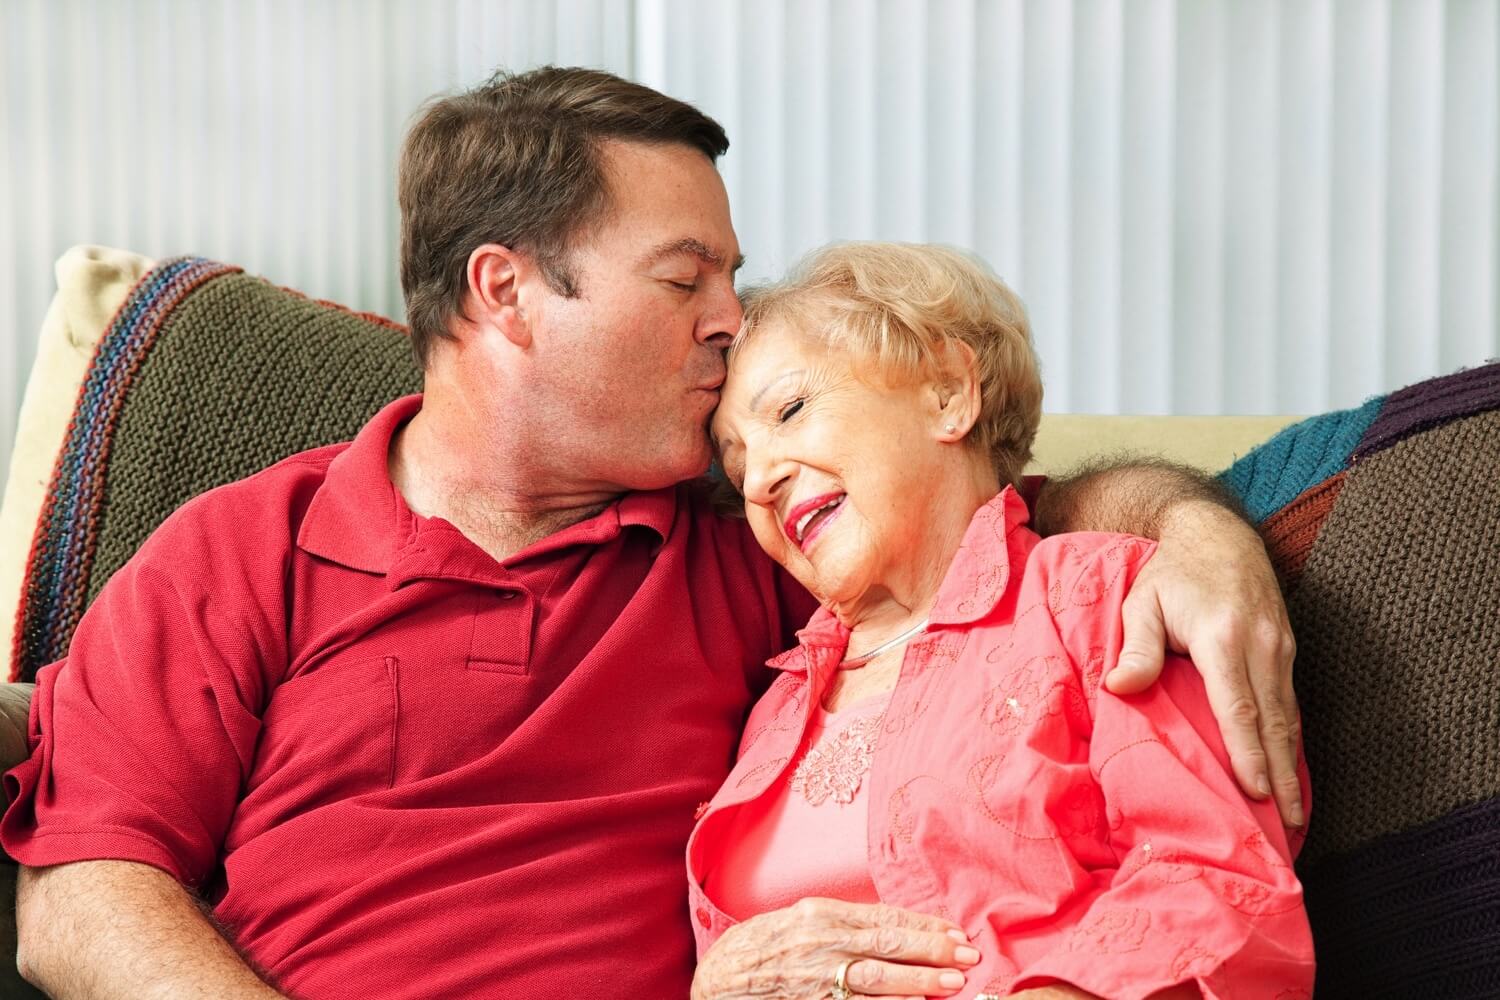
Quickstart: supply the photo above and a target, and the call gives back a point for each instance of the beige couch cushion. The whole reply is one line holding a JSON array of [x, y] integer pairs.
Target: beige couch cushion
[[1208, 443], [93, 281]]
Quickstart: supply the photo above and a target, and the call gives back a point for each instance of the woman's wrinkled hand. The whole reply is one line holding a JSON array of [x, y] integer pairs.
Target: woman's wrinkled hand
[[794, 954], [1210, 592]]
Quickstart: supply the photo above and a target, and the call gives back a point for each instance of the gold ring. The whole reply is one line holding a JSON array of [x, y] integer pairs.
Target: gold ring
[[841, 989]]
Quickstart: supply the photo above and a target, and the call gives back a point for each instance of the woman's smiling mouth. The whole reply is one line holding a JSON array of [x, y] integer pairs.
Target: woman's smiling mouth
[[806, 520]]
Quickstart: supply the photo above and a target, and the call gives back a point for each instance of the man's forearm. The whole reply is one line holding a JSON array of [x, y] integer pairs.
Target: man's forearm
[[99, 930], [1135, 497]]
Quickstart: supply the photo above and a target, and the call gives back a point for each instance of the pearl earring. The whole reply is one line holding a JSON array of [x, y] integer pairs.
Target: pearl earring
[[949, 429]]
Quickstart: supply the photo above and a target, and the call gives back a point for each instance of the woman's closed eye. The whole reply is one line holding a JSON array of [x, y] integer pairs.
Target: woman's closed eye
[[789, 411]]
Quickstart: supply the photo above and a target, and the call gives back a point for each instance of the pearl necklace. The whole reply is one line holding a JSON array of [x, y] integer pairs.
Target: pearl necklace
[[889, 644]]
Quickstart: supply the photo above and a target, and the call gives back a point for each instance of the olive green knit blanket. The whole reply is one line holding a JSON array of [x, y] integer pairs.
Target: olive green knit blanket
[[204, 376]]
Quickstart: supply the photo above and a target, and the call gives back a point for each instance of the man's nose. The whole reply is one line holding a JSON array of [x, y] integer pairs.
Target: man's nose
[[722, 319]]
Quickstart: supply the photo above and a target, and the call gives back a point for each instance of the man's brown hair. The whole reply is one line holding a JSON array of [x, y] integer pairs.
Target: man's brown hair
[[518, 161]]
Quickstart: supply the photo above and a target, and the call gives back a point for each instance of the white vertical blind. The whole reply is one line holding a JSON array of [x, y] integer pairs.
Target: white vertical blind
[[1209, 205]]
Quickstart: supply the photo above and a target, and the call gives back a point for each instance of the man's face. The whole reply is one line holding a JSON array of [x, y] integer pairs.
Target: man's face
[[631, 368]]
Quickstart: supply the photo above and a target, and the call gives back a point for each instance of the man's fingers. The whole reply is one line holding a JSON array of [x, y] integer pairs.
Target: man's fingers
[[1144, 646], [1269, 664], [1234, 705]]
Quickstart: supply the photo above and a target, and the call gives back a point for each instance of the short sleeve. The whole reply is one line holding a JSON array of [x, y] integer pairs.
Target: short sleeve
[[143, 736]]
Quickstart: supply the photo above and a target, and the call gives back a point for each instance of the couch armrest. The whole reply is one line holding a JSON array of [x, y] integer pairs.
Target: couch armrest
[[15, 708]]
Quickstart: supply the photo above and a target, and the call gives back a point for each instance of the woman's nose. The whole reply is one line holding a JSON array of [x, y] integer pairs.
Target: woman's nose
[[767, 479]]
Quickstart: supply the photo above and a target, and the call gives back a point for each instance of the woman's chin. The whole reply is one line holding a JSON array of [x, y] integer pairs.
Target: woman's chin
[[836, 591]]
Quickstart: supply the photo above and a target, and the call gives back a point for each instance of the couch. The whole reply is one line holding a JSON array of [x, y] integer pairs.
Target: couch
[[96, 355]]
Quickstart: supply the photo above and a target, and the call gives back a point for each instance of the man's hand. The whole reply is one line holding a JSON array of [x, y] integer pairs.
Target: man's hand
[[794, 954], [1209, 592]]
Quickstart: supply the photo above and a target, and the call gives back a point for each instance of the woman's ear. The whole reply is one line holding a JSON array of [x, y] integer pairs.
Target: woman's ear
[[495, 274], [956, 391]]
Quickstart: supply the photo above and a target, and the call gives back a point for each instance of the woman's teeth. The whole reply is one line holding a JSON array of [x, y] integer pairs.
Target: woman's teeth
[[806, 519]]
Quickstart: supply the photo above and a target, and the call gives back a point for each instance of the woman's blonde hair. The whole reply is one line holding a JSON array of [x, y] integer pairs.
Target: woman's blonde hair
[[899, 306]]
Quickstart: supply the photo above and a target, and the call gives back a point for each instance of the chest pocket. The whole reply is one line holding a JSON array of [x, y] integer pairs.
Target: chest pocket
[[326, 736]]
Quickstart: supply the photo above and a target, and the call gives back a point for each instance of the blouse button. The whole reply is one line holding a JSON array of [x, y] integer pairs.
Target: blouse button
[[705, 918]]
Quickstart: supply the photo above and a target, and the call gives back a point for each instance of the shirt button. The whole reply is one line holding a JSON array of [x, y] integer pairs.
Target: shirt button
[[507, 595], [705, 918]]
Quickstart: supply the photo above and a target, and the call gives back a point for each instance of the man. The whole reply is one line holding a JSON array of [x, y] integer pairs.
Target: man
[[429, 714]]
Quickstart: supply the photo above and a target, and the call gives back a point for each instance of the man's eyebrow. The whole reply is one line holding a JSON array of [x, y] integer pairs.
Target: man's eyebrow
[[755, 400], [692, 247]]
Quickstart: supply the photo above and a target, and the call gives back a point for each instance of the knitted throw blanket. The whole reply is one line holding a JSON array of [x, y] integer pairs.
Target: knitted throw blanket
[[1384, 523], [204, 376]]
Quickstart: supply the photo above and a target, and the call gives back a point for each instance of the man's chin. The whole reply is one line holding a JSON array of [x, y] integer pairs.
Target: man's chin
[[674, 470]]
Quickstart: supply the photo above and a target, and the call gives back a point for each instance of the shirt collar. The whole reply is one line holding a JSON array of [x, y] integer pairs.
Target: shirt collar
[[357, 517], [975, 582], [980, 573]]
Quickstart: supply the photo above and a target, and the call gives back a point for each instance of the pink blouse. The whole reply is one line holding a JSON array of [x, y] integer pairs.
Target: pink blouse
[[806, 835], [1076, 835]]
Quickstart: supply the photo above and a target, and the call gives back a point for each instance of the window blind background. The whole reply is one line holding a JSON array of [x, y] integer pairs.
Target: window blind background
[[1210, 206]]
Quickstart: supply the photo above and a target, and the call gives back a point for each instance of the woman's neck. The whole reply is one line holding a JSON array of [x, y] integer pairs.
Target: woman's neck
[[906, 601]]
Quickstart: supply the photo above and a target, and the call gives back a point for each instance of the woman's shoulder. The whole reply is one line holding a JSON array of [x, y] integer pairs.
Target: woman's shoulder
[[1083, 570], [1079, 554]]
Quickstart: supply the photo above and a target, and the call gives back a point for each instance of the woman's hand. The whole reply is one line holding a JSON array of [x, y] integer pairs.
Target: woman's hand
[[795, 953]]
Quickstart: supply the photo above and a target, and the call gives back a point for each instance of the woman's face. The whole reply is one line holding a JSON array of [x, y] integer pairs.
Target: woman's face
[[840, 470]]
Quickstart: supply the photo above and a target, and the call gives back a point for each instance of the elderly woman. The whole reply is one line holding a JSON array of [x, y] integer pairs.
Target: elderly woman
[[940, 740]]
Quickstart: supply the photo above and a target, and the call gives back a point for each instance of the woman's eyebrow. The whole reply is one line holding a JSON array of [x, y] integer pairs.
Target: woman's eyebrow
[[755, 400]]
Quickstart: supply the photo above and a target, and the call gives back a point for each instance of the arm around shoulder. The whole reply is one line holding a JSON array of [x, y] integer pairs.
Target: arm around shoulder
[[1209, 592]]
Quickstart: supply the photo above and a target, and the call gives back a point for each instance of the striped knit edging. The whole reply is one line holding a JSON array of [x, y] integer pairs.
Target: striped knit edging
[[1429, 404], [54, 596]]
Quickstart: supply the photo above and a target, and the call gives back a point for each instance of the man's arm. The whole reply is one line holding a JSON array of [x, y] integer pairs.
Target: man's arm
[[96, 930], [1210, 593]]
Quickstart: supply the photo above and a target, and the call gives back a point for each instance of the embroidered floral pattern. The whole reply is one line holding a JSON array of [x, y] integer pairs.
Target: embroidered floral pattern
[[834, 770], [1029, 693], [1194, 960], [1111, 932]]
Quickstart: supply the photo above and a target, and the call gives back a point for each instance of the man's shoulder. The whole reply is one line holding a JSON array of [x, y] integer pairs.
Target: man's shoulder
[[710, 503]]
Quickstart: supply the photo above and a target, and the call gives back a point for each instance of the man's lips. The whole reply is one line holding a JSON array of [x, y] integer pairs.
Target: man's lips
[[800, 525]]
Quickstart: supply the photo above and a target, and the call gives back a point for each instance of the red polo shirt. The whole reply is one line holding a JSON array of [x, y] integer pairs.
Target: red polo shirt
[[396, 767]]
